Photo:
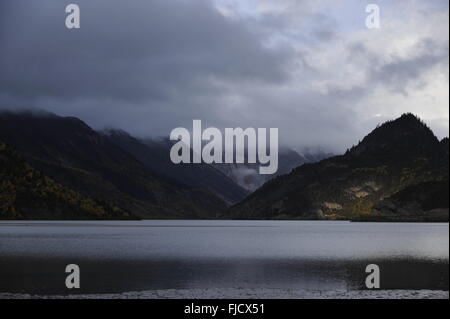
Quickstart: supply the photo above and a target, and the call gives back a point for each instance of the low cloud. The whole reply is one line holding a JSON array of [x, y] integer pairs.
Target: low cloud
[[314, 71]]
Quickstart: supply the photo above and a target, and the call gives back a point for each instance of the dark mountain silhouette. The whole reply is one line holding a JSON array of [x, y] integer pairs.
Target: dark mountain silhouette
[[73, 154], [395, 156], [26, 193], [402, 139], [444, 145], [155, 156], [59, 168], [427, 201]]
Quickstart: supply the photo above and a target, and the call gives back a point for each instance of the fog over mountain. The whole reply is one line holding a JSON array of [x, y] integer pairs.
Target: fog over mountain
[[310, 68], [247, 175]]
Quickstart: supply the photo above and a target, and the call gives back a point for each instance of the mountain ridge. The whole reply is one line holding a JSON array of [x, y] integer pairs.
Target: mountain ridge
[[371, 181], [69, 151], [395, 155], [155, 156]]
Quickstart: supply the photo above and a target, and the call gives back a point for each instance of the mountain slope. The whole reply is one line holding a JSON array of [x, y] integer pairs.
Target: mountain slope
[[247, 175], [427, 201], [396, 155], [444, 145], [73, 154], [26, 193], [155, 156]]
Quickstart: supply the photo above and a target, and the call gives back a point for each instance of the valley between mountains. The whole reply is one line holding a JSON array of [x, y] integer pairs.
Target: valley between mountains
[[54, 167]]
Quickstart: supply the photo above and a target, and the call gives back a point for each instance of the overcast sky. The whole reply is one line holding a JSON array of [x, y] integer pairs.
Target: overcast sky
[[309, 67]]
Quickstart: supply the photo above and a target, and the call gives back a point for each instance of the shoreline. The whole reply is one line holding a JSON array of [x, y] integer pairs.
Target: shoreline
[[239, 293], [362, 221]]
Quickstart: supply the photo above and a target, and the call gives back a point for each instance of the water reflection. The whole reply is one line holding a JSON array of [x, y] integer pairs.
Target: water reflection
[[126, 256]]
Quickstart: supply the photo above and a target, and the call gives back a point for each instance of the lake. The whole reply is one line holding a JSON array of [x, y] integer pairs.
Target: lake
[[119, 256]]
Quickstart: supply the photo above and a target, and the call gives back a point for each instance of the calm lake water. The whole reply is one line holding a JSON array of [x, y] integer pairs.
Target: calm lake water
[[118, 256]]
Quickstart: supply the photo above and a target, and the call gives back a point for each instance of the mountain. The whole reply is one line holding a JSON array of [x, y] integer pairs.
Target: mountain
[[444, 145], [26, 193], [154, 154], [247, 175], [73, 154], [393, 157], [427, 201]]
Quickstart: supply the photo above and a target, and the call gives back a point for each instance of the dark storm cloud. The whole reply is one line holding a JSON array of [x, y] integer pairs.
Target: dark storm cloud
[[127, 50], [150, 66]]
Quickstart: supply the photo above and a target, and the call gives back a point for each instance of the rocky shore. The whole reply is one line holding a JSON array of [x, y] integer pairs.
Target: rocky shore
[[237, 293]]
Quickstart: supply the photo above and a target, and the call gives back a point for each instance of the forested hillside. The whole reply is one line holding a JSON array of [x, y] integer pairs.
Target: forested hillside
[[26, 193]]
